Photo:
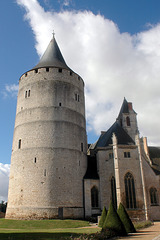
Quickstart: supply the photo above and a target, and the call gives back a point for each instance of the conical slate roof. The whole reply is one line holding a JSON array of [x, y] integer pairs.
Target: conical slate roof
[[52, 57]]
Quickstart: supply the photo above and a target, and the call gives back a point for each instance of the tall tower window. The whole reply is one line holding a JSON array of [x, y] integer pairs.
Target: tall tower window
[[29, 93], [19, 143], [25, 94], [153, 196], [94, 197], [130, 191], [113, 192], [128, 121]]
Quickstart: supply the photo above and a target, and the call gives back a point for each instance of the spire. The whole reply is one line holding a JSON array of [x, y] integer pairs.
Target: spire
[[124, 108], [52, 57]]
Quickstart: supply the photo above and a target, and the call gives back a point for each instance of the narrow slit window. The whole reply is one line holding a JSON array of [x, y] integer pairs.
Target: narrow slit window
[[25, 74], [71, 73], [45, 172], [25, 94], [29, 93], [47, 69], [76, 96], [81, 147], [19, 144], [60, 70], [35, 159], [60, 104]]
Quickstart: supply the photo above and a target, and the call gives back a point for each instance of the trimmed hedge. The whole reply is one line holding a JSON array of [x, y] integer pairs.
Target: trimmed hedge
[[114, 222], [125, 219], [103, 217]]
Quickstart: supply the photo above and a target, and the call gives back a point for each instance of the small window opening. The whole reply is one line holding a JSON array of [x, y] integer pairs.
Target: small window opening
[[60, 104], [26, 94], [128, 121], [45, 172], [29, 93], [71, 73], [25, 74], [60, 70], [127, 154], [19, 144], [111, 155], [47, 69], [79, 78], [78, 98], [81, 147], [35, 160], [36, 70]]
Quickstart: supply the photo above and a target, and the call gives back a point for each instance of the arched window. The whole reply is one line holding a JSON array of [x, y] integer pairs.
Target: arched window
[[94, 197], [113, 192], [128, 121], [153, 196], [130, 191]]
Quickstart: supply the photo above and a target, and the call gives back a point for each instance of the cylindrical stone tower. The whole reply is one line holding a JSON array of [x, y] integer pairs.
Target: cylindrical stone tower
[[49, 145]]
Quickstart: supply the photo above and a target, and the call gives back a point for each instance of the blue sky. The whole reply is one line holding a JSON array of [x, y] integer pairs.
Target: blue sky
[[113, 44]]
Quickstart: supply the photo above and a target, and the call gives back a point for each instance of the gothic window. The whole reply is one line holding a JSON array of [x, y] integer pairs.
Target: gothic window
[[130, 191], [153, 196], [128, 121], [127, 154], [113, 192], [94, 197]]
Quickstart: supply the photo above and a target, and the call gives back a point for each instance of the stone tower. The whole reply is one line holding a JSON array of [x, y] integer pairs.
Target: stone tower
[[49, 145], [127, 119]]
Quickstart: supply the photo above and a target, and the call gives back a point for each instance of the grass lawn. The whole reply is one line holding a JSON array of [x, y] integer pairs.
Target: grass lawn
[[43, 229]]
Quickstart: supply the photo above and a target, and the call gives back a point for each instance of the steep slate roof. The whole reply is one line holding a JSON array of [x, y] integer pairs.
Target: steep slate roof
[[154, 153], [91, 172], [124, 108], [122, 137], [52, 57]]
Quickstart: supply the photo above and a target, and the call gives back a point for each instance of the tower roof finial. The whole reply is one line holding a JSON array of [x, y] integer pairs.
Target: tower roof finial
[[53, 33]]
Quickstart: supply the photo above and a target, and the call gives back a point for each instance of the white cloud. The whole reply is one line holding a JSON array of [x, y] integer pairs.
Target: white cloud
[[113, 65], [10, 89], [4, 180]]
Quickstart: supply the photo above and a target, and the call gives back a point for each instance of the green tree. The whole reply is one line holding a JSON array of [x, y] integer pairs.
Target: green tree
[[114, 222], [125, 219], [103, 217]]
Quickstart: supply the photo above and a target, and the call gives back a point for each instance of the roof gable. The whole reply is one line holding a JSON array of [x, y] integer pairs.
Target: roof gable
[[122, 137]]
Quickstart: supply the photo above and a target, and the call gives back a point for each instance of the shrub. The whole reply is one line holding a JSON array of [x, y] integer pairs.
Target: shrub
[[114, 222], [103, 217], [125, 219]]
